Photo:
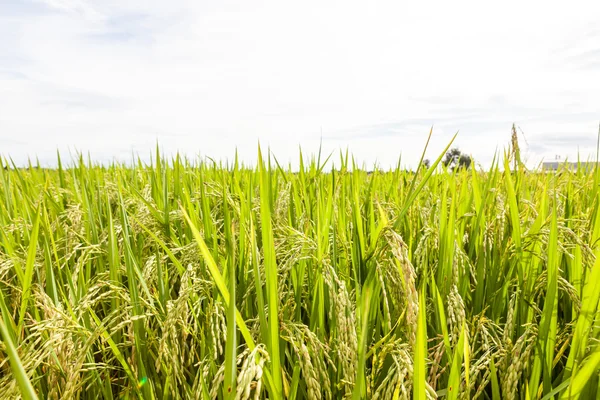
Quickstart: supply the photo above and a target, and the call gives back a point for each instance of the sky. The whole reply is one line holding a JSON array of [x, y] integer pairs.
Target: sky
[[113, 78]]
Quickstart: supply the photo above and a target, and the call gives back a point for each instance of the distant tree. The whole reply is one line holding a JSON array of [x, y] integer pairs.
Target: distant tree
[[464, 161], [426, 163], [455, 159]]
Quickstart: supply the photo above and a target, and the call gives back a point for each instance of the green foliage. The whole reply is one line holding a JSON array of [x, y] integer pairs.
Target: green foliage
[[179, 280]]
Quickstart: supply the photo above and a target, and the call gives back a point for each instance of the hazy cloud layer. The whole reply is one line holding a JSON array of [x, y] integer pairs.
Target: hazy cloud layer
[[114, 77]]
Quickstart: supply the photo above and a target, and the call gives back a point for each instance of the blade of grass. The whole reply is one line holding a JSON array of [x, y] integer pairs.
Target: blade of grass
[[19, 373]]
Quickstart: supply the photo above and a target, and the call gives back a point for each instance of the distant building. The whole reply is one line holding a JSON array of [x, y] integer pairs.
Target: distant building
[[556, 165]]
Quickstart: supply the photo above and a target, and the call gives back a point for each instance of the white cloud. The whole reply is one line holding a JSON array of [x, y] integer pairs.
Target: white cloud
[[112, 76]]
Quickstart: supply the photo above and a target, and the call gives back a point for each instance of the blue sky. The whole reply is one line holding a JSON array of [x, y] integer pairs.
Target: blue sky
[[206, 78]]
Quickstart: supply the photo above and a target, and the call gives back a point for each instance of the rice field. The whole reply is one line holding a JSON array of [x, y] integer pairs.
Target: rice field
[[181, 279]]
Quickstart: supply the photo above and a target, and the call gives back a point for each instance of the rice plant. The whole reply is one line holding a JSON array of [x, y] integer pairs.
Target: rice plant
[[183, 279]]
